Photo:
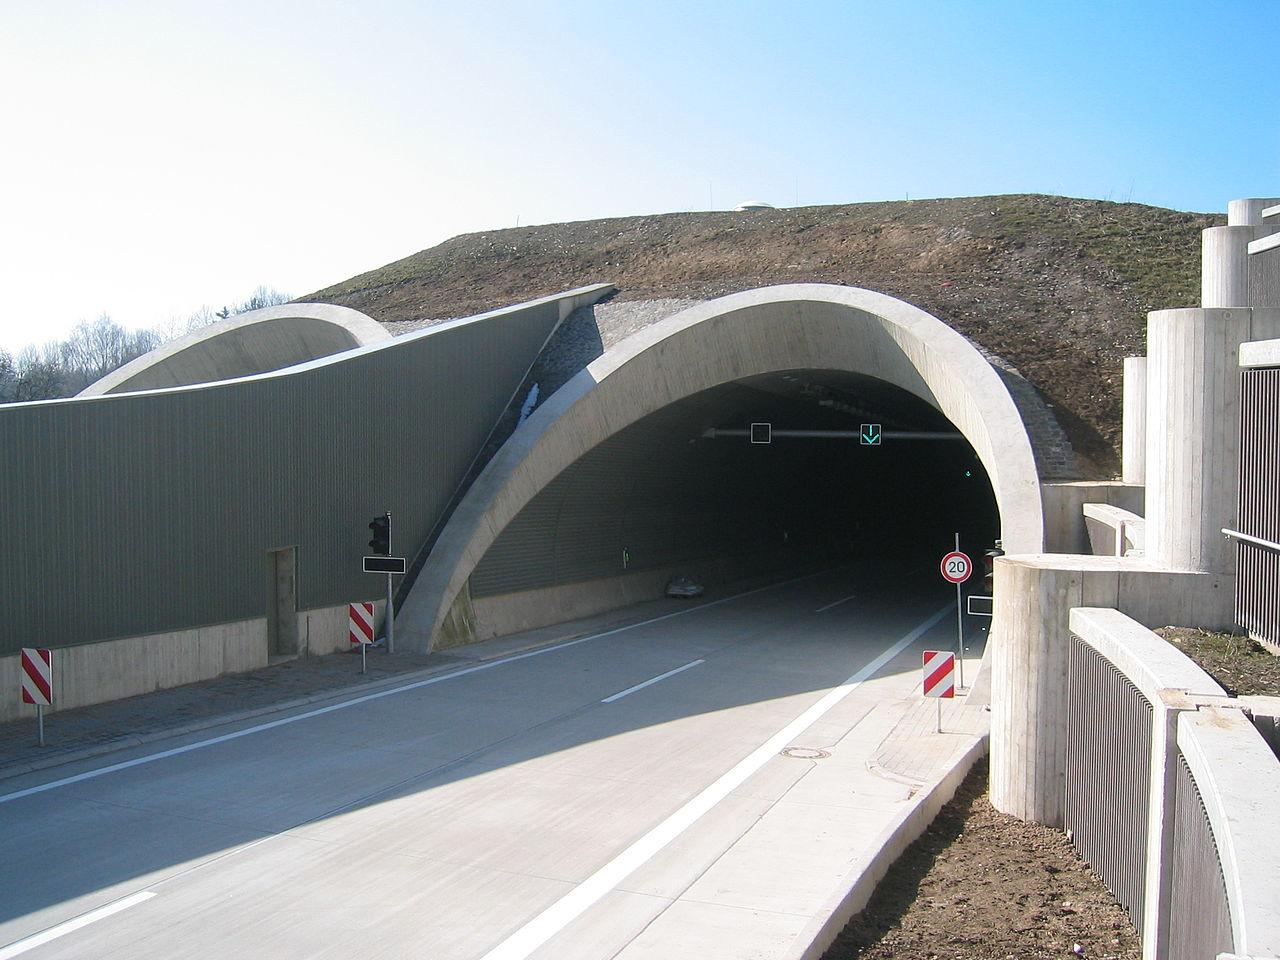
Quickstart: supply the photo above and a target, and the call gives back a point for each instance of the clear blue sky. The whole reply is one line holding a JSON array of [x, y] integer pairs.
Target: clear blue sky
[[163, 156]]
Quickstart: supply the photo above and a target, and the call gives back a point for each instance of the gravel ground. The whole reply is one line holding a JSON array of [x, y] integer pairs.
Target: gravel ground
[[1240, 665], [979, 885]]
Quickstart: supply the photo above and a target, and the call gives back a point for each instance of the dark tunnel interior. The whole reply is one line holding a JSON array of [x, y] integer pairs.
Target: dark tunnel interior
[[665, 493]]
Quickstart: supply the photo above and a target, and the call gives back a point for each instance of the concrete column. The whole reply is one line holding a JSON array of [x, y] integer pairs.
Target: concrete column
[[1248, 213], [1224, 266], [1193, 432], [1029, 655], [1134, 456]]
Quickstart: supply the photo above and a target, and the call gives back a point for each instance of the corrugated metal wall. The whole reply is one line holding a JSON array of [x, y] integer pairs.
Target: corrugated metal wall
[[146, 513], [1199, 914], [1258, 567], [1108, 774]]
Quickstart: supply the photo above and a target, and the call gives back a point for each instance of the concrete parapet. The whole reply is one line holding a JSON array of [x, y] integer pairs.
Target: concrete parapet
[[1114, 531], [1260, 353], [1265, 712], [1033, 597], [1134, 449], [1238, 779], [1193, 431], [1064, 524], [1171, 683]]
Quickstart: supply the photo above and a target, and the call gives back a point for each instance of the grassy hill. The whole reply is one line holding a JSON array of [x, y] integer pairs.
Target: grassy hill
[[1059, 287]]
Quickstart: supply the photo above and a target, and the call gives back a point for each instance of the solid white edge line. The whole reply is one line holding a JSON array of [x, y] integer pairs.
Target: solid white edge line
[[321, 711], [836, 604], [19, 947], [577, 901], [640, 686]]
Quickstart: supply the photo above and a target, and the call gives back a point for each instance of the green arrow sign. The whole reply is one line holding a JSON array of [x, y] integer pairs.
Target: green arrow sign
[[871, 435]]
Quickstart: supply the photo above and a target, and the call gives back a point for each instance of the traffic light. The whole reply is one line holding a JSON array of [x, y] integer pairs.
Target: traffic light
[[381, 542]]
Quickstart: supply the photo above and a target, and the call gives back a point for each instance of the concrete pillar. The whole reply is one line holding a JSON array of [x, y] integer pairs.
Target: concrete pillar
[[1224, 266], [1193, 432], [1229, 276], [1248, 213], [1034, 595], [1134, 456]]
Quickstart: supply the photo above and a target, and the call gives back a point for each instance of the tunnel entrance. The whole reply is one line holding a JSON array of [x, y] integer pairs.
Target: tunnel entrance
[[684, 491], [615, 474]]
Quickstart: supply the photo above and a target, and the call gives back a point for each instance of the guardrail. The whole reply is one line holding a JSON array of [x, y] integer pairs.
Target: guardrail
[[1165, 779]]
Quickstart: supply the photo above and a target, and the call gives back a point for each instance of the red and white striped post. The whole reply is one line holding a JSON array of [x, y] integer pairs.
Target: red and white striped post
[[360, 627], [939, 677], [37, 681]]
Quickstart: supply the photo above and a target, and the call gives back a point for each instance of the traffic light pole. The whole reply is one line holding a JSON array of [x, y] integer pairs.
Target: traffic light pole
[[391, 611]]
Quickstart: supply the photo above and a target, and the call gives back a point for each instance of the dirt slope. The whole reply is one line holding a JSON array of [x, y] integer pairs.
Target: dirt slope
[[1059, 287]]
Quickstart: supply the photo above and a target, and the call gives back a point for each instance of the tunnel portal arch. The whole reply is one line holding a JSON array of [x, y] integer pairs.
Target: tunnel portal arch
[[243, 345], [745, 335]]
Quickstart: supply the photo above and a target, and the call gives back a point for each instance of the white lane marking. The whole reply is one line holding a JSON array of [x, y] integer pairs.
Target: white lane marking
[[577, 901], [641, 686], [19, 947], [836, 604], [356, 701]]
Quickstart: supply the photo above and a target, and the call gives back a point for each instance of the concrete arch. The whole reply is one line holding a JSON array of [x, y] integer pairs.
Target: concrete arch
[[795, 326], [249, 343]]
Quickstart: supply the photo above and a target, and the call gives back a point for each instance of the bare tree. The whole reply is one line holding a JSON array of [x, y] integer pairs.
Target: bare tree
[[94, 348]]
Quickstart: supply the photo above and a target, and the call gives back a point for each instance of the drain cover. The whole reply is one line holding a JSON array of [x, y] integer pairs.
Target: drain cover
[[805, 753]]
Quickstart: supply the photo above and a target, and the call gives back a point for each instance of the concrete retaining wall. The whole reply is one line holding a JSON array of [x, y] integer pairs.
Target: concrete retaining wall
[[112, 669], [497, 616]]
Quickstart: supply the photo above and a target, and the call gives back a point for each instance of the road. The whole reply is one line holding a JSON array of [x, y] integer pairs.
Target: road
[[553, 804]]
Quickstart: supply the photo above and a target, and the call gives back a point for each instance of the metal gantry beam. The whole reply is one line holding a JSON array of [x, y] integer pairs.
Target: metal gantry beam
[[716, 433]]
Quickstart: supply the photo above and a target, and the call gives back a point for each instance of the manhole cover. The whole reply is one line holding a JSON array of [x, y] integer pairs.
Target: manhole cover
[[805, 753]]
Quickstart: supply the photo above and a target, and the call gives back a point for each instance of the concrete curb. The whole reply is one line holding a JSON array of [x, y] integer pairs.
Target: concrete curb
[[855, 893]]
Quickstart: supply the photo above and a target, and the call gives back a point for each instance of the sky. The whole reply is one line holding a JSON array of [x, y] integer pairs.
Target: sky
[[162, 157]]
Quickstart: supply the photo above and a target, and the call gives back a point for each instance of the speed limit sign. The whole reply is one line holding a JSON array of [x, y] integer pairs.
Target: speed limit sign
[[956, 567]]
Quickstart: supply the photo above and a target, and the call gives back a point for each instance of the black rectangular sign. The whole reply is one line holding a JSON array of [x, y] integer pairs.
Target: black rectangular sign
[[980, 606], [384, 564]]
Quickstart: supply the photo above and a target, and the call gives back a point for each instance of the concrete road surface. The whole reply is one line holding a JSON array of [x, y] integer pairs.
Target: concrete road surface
[[565, 802]]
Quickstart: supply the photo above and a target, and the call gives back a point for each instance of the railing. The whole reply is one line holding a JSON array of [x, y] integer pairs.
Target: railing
[[1108, 774], [1200, 922], [1168, 792], [1257, 550]]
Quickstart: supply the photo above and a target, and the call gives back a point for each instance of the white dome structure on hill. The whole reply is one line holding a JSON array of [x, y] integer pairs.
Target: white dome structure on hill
[[754, 205]]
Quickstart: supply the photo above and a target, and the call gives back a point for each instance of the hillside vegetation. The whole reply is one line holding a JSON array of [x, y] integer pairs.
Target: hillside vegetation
[[1059, 287]]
